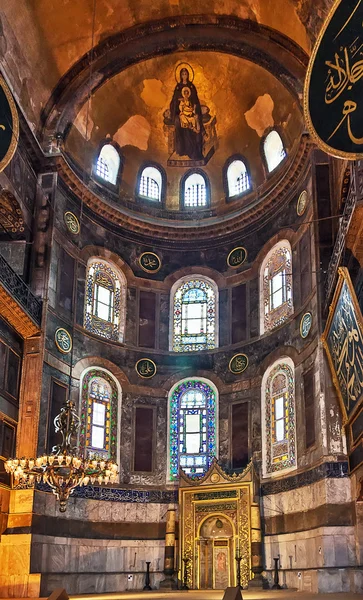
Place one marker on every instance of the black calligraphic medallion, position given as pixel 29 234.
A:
pixel 145 368
pixel 236 257
pixel 305 324
pixel 343 341
pixel 63 340
pixel 9 125
pixel 71 222
pixel 333 95
pixel 150 262
pixel 238 364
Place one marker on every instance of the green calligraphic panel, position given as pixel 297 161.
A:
pixel 63 340
pixel 344 341
pixel 150 262
pixel 333 98
pixel 305 324
pixel 71 222
pixel 236 257
pixel 145 368
pixel 238 364
pixel 9 125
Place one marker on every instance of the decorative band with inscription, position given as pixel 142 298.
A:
pixel 305 324
pixel 63 340
pixel 236 257
pixel 238 364
pixel 72 222
pixel 150 262
pixel 145 368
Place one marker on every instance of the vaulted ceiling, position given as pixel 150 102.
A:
pixel 40 40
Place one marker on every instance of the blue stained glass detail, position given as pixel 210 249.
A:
pixel 192 428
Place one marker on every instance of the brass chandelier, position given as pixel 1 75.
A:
pixel 63 470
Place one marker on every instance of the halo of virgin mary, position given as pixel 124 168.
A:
pixel 186 115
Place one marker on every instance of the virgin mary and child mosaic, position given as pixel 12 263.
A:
pixel 190 127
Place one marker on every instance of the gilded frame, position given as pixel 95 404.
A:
pixel 344 277
pixel 191 521
pixel 15 137
pixel 321 144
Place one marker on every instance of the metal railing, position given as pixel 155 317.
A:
pixel 16 287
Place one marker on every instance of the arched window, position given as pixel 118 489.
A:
pixel 194 312
pixel 99 404
pixel 278 417
pixel 195 192
pixel 274 150
pixel 105 300
pixel 276 303
pixel 193 418
pixel 150 185
pixel 108 164
pixel 238 179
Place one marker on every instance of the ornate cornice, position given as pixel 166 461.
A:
pixel 12 312
pixel 274 194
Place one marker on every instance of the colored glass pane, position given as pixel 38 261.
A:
pixel 98 431
pixel 277 288
pixel 103 301
pixel 192 428
pixel 280 419
pixel 194 321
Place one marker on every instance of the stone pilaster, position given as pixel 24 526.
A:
pixel 30 395
pixel 16 581
pixel 169 582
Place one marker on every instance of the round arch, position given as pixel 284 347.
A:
pixel 213 515
pixel 240 37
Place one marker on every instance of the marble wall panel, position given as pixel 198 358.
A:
pixel 106 562
pixel 325 547
pixel 308 497
pixel 100 510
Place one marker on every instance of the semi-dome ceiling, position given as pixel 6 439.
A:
pixel 41 40
pixel 240 99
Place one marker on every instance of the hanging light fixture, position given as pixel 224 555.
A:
pixel 63 470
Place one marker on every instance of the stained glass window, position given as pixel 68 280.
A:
pixel 279 409
pixel 194 312
pixel 105 301
pixel 108 163
pixel 98 432
pixel 237 178
pixel 195 191
pixel 276 284
pixel 150 183
pixel 193 422
pixel 274 150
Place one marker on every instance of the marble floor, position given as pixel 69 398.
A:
pixel 218 595
pixel 212 595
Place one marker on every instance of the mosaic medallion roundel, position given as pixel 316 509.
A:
pixel 63 340
pixel 145 368
pixel 305 324
pixel 238 364
pixel 71 222
pixel 150 262
pixel 302 203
